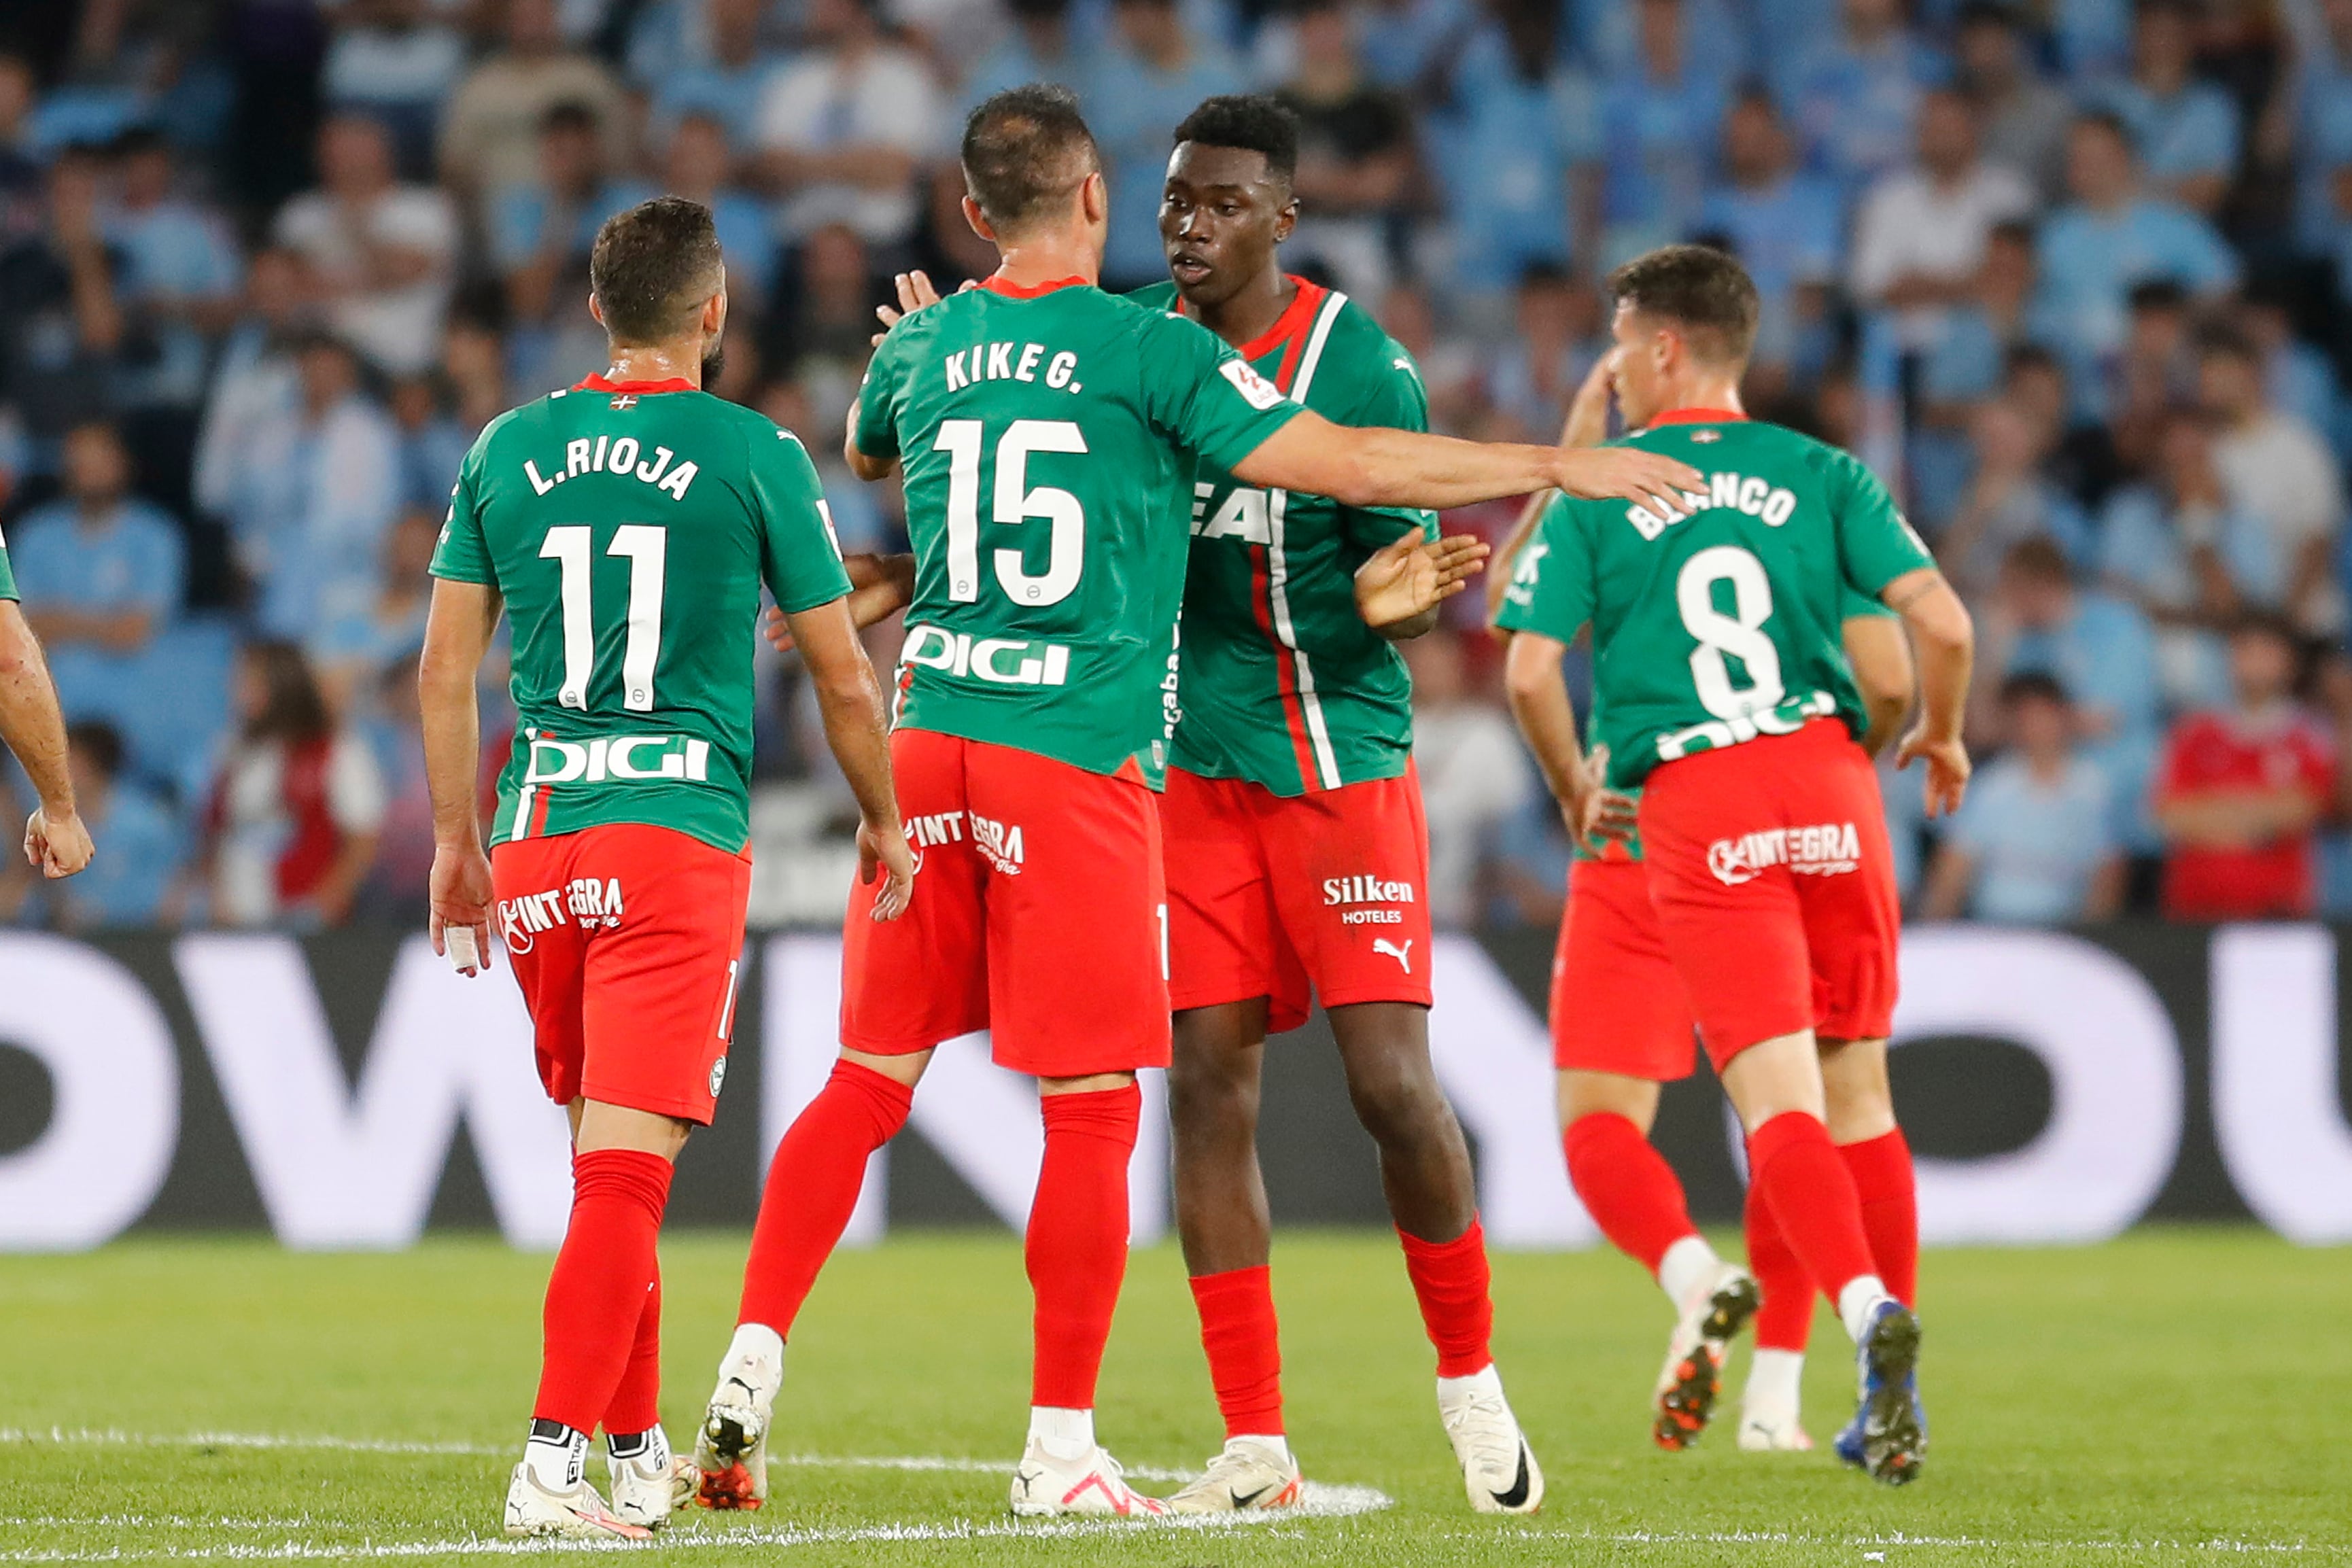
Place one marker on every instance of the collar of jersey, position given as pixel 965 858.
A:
pixel 1698 416
pixel 996 282
pixel 596 383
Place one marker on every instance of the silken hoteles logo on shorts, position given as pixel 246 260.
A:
pixel 591 903
pixel 1826 849
pixel 1367 900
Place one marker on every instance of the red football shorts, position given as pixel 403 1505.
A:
pixel 1774 884
pixel 1617 1005
pixel 1268 894
pixel 627 940
pixel 1039 914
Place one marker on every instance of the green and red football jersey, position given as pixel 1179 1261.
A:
pixel 8 575
pixel 1049 438
pixel 629 529
pixel 1722 620
pixel 1281 682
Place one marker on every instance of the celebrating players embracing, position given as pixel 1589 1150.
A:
pixel 1048 432
pixel 625 526
pixel 1297 854
pixel 1720 689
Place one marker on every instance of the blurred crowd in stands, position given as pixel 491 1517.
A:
pixel 2075 277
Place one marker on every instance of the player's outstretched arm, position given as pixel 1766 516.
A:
pixel 857 727
pixel 33 728
pixel 1587 425
pixel 458 629
pixel 1881 658
pixel 1539 698
pixel 1945 639
pixel 879 587
pixel 1400 589
pixel 1378 467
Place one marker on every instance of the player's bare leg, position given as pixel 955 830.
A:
pixel 811 1190
pixel 1636 1200
pixel 1777 1087
pixel 596 1299
pixel 1227 1235
pixel 1432 1191
pixel 1861 1115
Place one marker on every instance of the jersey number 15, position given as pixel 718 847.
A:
pixel 1015 502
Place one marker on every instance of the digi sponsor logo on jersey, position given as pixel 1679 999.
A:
pixel 1826 849
pixel 1367 900
pixel 1725 492
pixel 606 455
pixel 999 661
pixel 618 759
pixel 590 903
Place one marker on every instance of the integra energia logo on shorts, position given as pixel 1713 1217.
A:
pixel 1827 849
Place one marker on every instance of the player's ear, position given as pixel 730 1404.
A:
pixel 977 219
pixel 595 309
pixel 1286 220
pixel 1094 198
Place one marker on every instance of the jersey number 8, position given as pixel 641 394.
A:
pixel 1016 503
pixel 1739 635
pixel 647 549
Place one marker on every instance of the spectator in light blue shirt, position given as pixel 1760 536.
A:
pixel 2112 235
pixel 1155 77
pixel 179 271
pixel 2033 846
pixel 1523 129
pixel 2321 95
pixel 1786 227
pixel 1712 35
pixel 131 883
pixel 100 568
pixel 721 71
pixel 695 165
pixel 2094 38
pixel 1852 95
pixel 1404 40
pixel 542 230
pixel 1041 48
pixel 2187 131
pixel 1660 117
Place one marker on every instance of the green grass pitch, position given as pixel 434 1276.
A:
pixel 2177 1397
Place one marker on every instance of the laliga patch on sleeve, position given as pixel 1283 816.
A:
pixel 1255 390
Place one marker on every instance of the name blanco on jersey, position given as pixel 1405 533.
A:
pixel 1011 362
pixel 1826 849
pixel 1724 492
pixel 1351 894
pixel 606 455
pixel 999 661
pixel 618 758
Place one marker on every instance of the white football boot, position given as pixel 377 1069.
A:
pixel 1498 1468
pixel 1248 1474
pixel 651 1484
pixel 1692 1379
pixel 573 1513
pixel 1045 1487
pixel 730 1446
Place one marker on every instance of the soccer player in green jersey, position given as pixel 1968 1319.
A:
pixel 626 528
pixel 1720 688
pixel 1296 849
pixel 1048 433
pixel 1621 1028
pixel 33 729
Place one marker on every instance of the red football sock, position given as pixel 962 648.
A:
pixel 1077 1245
pixel 1785 1319
pixel 811 1188
pixel 1627 1186
pixel 636 1403
pixel 1793 1163
pixel 1881 1168
pixel 1450 1279
pixel 1244 1346
pixel 596 1295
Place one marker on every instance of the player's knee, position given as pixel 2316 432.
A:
pixel 1398 1102
pixel 1210 1094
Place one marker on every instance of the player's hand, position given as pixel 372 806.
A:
pixel 1604 813
pixel 1411 576
pixel 1626 472
pixel 1948 768
pixel 879 587
pixel 916 292
pixel 58 845
pixel 883 852
pixel 461 895
pixel 1588 410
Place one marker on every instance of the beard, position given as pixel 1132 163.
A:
pixel 714 364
